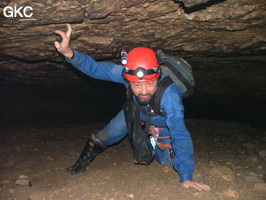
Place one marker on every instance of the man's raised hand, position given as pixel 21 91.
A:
pixel 63 46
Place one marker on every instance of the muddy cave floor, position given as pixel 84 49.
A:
pixel 230 157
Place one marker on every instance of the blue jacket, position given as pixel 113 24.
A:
pixel 171 104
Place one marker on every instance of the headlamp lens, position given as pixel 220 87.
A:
pixel 140 73
pixel 124 61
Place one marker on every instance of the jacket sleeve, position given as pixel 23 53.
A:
pixel 172 105
pixel 98 70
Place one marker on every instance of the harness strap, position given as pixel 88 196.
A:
pixel 156 136
pixel 148 120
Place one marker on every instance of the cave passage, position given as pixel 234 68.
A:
pixel 223 93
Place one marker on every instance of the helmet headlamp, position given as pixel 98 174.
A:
pixel 123 57
pixel 140 72
pixel 124 60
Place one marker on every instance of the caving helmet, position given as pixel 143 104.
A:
pixel 140 65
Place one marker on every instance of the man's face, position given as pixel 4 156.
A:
pixel 144 91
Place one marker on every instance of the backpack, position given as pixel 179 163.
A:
pixel 179 71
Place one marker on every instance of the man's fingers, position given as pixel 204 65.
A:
pixel 69 30
pixel 61 33
pixel 63 46
pixel 205 187
pixel 56 44
pixel 201 186
pixel 198 186
pixel 65 35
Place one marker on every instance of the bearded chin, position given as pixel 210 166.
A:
pixel 144 102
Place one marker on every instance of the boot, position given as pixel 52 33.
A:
pixel 90 151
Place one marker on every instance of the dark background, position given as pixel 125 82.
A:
pixel 60 101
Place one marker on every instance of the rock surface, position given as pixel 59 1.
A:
pixel 102 28
pixel 223 40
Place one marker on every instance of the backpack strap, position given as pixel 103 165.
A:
pixel 156 101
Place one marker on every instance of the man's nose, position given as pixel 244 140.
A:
pixel 143 89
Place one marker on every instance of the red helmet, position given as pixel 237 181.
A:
pixel 140 65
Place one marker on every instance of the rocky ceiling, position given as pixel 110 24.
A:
pixel 102 28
